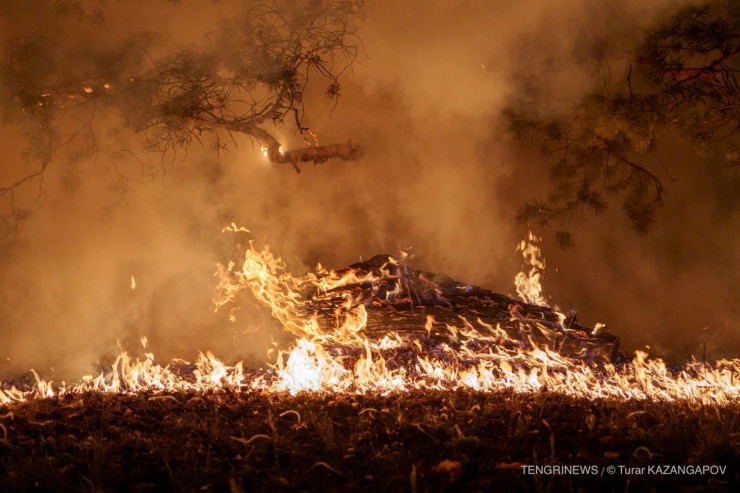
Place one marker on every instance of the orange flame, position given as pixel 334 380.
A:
pixel 341 358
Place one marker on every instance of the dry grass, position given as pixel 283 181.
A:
pixel 425 440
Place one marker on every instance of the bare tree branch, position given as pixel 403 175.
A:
pixel 248 75
pixel 682 78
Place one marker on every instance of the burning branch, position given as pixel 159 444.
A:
pixel 316 154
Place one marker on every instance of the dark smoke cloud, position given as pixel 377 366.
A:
pixel 440 179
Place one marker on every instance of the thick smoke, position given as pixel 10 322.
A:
pixel 440 180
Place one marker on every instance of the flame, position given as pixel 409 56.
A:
pixel 340 357
pixel 265 150
pixel 528 282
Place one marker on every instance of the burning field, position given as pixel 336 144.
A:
pixel 393 379
pixel 364 333
pixel 378 326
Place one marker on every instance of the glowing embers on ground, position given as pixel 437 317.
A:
pixel 383 367
pixel 343 356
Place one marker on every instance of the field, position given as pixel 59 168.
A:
pixel 417 441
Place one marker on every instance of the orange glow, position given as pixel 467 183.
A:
pixel 342 359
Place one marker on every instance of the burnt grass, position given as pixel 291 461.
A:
pixel 418 441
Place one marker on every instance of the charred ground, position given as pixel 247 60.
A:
pixel 417 441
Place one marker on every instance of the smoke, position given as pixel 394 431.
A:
pixel 440 180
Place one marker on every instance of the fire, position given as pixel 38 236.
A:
pixel 528 284
pixel 265 150
pixel 343 358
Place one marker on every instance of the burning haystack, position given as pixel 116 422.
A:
pixel 426 307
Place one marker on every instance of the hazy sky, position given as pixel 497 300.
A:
pixel 440 179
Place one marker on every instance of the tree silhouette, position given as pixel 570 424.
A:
pixel 682 78
pixel 246 76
